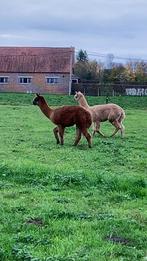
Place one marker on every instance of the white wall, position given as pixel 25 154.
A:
pixel 136 91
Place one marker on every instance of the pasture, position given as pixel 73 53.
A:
pixel 65 203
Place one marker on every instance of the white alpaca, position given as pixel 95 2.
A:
pixel 100 113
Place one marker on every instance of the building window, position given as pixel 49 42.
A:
pixel 52 80
pixel 75 81
pixel 3 79
pixel 25 80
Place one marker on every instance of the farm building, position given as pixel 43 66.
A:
pixel 36 69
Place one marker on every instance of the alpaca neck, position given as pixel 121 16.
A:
pixel 83 102
pixel 46 110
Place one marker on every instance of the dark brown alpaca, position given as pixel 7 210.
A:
pixel 66 116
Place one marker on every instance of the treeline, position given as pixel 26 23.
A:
pixel 134 72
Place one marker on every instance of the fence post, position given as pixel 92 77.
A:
pixel 98 91
pixel 107 99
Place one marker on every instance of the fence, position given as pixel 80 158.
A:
pixel 96 89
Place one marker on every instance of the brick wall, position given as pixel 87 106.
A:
pixel 38 83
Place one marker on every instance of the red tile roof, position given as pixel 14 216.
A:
pixel 36 59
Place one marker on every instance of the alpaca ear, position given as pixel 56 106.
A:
pixel 76 92
pixel 37 94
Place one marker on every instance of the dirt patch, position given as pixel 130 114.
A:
pixel 35 221
pixel 120 240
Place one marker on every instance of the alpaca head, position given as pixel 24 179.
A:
pixel 78 95
pixel 38 100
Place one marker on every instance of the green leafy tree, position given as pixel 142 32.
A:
pixel 89 70
pixel 106 75
pixel 85 69
pixel 82 56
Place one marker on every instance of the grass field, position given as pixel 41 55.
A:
pixel 65 203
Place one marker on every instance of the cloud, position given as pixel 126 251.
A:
pixel 100 25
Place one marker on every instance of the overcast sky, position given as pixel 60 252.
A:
pixel 100 26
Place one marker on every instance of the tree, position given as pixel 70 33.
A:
pixel 81 70
pixel 130 71
pixel 105 75
pixel 117 74
pixel 93 71
pixel 82 56
pixel 88 70
pixel 141 69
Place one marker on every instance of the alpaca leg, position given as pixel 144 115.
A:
pixel 97 129
pixel 78 136
pixel 61 134
pixel 55 130
pixel 117 126
pixel 87 136
pixel 94 129
pixel 122 131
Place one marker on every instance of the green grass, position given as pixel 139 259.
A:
pixel 62 203
pixel 59 100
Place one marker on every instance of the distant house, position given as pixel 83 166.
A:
pixel 36 69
